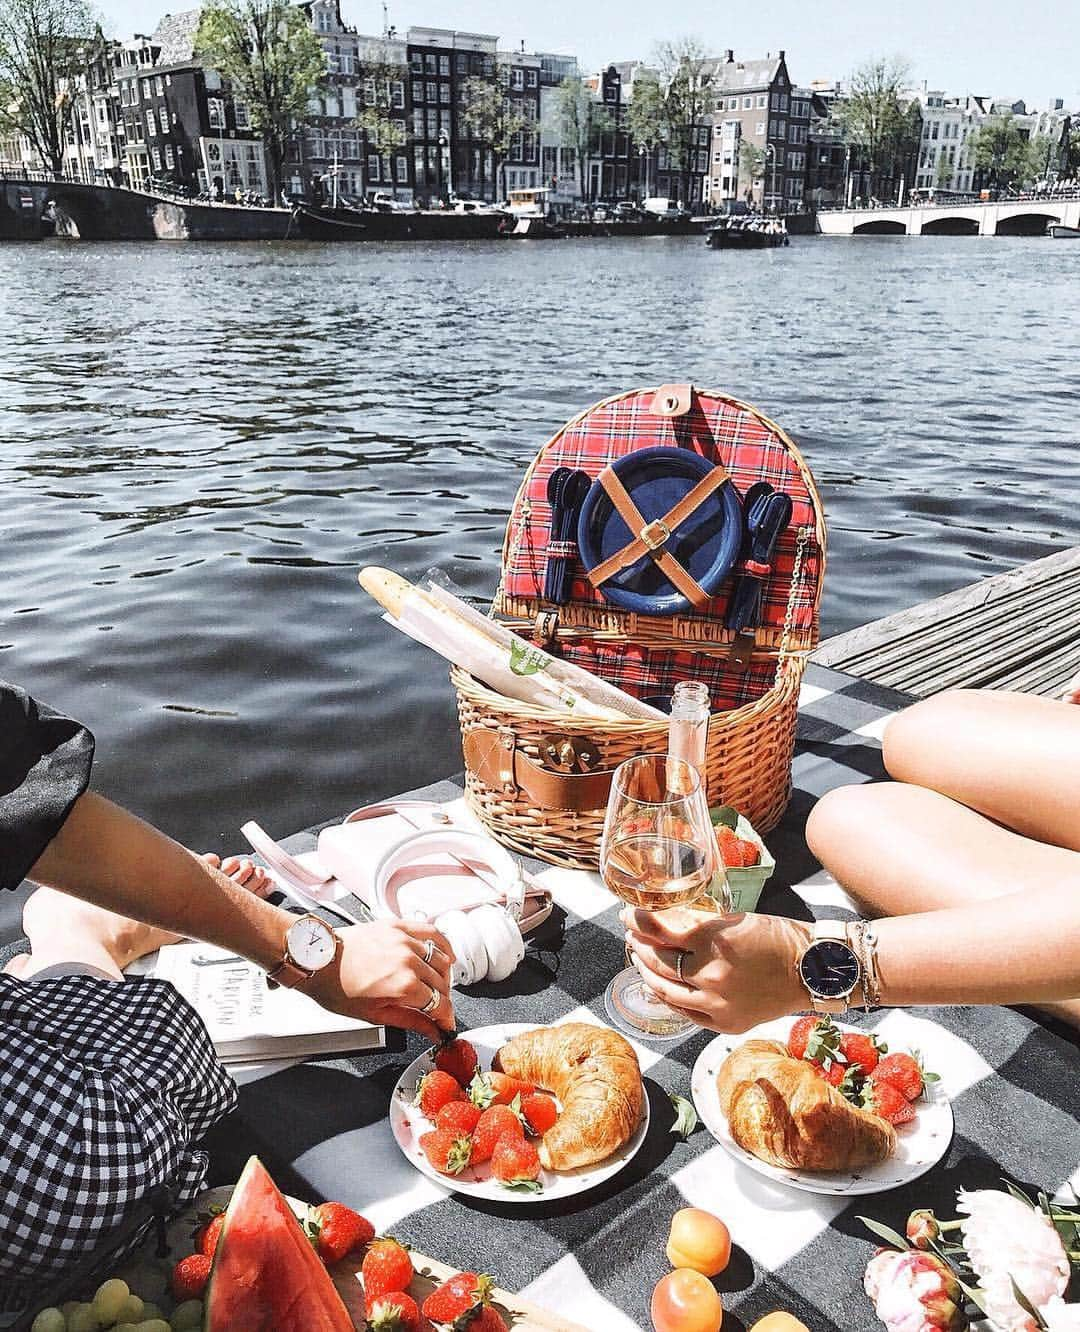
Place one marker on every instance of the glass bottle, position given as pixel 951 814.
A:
pixel 689 727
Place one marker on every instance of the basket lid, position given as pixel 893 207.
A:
pixel 704 543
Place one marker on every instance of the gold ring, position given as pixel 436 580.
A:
pixel 680 956
pixel 429 951
pixel 433 1003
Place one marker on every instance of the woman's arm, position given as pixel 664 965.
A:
pixel 107 856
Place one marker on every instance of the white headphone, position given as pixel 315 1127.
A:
pixel 485 935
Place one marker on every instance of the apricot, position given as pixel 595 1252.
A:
pixel 779 1322
pixel 698 1240
pixel 686 1301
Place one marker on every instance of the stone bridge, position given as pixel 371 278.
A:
pixel 1014 217
pixel 86 212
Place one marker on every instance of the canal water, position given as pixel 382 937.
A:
pixel 199 445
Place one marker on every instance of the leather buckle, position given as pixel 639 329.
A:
pixel 654 534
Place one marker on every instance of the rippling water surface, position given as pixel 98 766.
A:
pixel 199 445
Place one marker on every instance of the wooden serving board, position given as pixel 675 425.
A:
pixel 520 1315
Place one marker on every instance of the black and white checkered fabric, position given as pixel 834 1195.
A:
pixel 105 1090
pixel 595 1258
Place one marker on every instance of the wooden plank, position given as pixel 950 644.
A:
pixel 1016 630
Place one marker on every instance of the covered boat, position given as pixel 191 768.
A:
pixel 747 233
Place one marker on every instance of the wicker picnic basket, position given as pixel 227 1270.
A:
pixel 539 779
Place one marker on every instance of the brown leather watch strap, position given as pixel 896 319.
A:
pixel 652 536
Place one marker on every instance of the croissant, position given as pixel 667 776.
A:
pixel 783 1112
pixel 594 1073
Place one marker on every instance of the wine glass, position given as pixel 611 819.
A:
pixel 658 850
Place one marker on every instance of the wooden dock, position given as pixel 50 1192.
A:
pixel 1017 630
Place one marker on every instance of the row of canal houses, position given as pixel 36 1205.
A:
pixel 148 111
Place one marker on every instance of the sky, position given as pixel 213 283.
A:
pixel 1014 48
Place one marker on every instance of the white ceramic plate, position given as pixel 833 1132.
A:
pixel 921 1143
pixel 408 1124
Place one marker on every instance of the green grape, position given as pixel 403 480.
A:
pixel 126 1327
pixel 154 1325
pixel 83 1319
pixel 109 1300
pixel 150 1312
pixel 187 1315
pixel 49 1320
pixel 69 1307
pixel 131 1310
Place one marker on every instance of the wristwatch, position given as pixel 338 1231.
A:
pixel 310 945
pixel 830 968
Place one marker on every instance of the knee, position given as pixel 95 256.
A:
pixel 915 736
pixel 831 820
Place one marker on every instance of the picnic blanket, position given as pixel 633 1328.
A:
pixel 595 1258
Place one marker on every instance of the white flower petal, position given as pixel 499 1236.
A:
pixel 1008 1241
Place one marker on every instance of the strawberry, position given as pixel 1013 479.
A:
pixel 447 1151
pixel 814 1038
pixel 455 1298
pixel 206 1240
pixel 337 1230
pixel 540 1111
pixel 494 1123
pixel 485 1319
pixel 436 1089
pixel 460 1116
pixel 497 1088
pixel 905 1072
pixel 845 1078
pixel 735 851
pixel 386 1268
pixel 458 1058
pixel 516 1163
pixel 393 1312
pixel 189 1277
pixel 887 1100
pixel 861 1051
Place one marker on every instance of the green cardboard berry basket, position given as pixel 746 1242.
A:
pixel 746 882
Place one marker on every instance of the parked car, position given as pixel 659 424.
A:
pixel 668 209
pixel 386 203
pixel 627 212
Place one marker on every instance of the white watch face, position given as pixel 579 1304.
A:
pixel 311 943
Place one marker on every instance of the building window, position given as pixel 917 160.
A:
pixel 781 102
pixel 444 66
pixel 147 88
pixel 369 92
pixel 417 90
pixel 934 129
pixel 762 102
pixel 444 94
pixel 170 158
pixel 418 122
pixel 432 123
pixel 444 123
pixel 397 95
pixel 346 62
pixel 418 164
pixel 431 62
pixel 373 167
pixel 416 63
pixel 517 79
pixel 747 103
pixel 532 79
pixel 215 109
pixel 125 99
pixel 759 128
pixel 151 127
pixel 322 20
pixel 461 63
pixel 402 165
pixel 240 113
pixel 432 92
pixel 156 157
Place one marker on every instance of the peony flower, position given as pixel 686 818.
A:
pixel 914 1292
pixel 1007 1240
pixel 1061 1317
pixel 922 1228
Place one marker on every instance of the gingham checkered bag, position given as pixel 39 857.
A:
pixel 753 689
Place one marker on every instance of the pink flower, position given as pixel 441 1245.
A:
pixel 922 1227
pixel 1009 1241
pixel 914 1292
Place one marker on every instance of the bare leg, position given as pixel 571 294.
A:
pixel 901 849
pixel 1013 757
pixel 64 929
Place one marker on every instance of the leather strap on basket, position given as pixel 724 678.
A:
pixel 494 759
pixel 652 536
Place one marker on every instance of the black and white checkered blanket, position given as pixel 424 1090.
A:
pixel 595 1258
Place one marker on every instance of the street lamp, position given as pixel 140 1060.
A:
pixel 770 151
pixel 444 144
pixel 847 175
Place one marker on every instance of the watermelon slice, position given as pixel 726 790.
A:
pixel 266 1275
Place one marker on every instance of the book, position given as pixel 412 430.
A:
pixel 247 1020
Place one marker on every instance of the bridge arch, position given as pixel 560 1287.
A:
pixel 951 226
pixel 881 226
pixel 1025 224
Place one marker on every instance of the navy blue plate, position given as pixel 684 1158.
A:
pixel 706 544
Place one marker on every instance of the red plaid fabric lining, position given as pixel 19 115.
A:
pixel 715 428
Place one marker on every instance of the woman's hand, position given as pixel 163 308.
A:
pixel 1072 690
pixel 387 974
pixel 736 970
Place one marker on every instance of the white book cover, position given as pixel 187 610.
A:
pixel 249 1021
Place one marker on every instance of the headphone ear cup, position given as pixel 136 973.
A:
pixel 470 955
pixel 502 940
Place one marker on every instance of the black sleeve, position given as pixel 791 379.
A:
pixel 45 761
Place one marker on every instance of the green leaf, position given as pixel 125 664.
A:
pixel 884 1232
pixel 1018 1193
pixel 724 816
pixel 1025 1304
pixel 523 1185
pixel 686 1119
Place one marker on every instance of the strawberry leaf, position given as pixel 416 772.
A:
pixel 884 1232
pixel 686 1119
pixel 523 1185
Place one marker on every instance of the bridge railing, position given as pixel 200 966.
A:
pixel 38 176
pixel 1050 196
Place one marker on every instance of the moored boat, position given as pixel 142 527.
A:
pixel 529 218
pixel 1060 232
pixel 346 223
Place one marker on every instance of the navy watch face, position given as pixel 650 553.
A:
pixel 829 969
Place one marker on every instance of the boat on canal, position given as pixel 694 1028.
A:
pixel 747 233
pixel 348 223
pixel 1060 232
pixel 529 216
